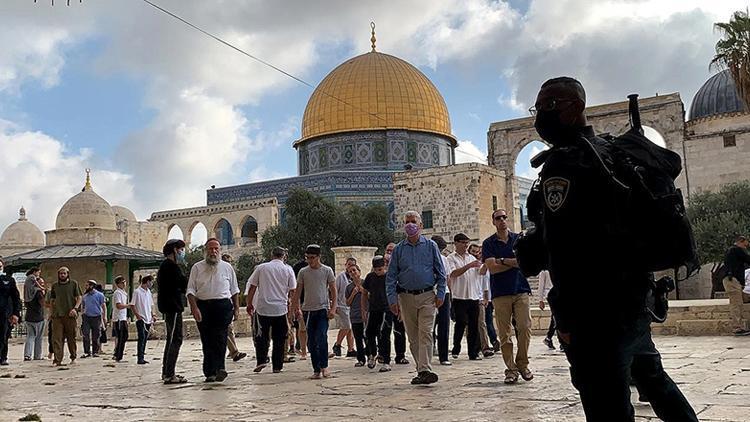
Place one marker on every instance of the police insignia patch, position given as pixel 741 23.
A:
pixel 555 192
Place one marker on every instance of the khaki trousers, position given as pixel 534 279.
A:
pixel 231 342
pixel 484 337
pixel 64 328
pixel 418 313
pixel 734 291
pixel 507 308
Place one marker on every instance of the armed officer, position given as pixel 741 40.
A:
pixel 599 295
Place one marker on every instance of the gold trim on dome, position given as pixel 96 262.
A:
pixel 375 91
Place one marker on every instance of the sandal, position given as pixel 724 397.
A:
pixel 177 379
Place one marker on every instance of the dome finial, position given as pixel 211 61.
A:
pixel 22 214
pixel 88 180
pixel 372 39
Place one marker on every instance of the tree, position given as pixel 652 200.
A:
pixel 310 218
pixel 244 266
pixel 717 218
pixel 733 52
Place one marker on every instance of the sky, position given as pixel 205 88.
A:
pixel 160 112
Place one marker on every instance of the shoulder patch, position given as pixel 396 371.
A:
pixel 555 192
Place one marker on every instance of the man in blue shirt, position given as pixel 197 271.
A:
pixel 510 297
pixel 94 315
pixel 415 270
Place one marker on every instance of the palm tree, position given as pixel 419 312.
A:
pixel 733 52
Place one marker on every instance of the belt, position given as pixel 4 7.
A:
pixel 415 292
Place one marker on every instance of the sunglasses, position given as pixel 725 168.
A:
pixel 501 217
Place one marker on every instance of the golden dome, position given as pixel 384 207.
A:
pixel 375 91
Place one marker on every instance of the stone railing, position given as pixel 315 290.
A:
pixel 686 318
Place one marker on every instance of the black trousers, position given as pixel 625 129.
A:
pixel 358 329
pixel 216 315
pixel 172 344
pixel 399 338
pixel 5 330
pixel 443 324
pixel 49 336
pixel 378 332
pixel 266 329
pixel 142 328
pixel 552 327
pixel 91 332
pixel 467 318
pixel 120 329
pixel 601 364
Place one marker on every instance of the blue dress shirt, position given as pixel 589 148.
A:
pixel 415 267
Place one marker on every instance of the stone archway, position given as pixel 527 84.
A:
pixel 663 113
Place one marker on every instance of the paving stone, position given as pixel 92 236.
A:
pixel 711 371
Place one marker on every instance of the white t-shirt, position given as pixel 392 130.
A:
pixel 121 297
pixel 545 284
pixel 274 280
pixel 467 286
pixel 747 281
pixel 212 281
pixel 342 280
pixel 143 301
pixel 447 269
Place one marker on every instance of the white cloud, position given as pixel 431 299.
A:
pixel 467 152
pixel 523 167
pixel 40 173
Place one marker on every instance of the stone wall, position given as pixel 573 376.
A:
pixel 461 198
pixel 148 235
pixel 363 255
pixel 82 270
pixel 83 236
pixel 711 164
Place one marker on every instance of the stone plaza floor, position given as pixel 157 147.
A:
pixel 713 372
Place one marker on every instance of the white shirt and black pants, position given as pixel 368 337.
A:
pixel 213 287
pixel 143 303
pixel 273 280
pixel 120 322
pixel 467 292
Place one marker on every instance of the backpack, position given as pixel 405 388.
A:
pixel 654 212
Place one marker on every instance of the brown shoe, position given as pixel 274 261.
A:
pixel 526 374
pixel 511 378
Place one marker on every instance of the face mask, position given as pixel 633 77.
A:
pixel 181 256
pixel 550 128
pixel 411 229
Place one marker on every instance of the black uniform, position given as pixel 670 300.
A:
pixel 599 295
pixel 172 286
pixel 10 304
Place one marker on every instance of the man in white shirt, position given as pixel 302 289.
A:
pixel 342 313
pixel 545 285
pixel 120 317
pixel 268 293
pixel 213 295
pixel 484 333
pixel 142 306
pixel 466 292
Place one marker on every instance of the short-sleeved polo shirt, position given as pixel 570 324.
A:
pixel 506 283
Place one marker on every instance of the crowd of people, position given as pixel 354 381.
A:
pixel 412 291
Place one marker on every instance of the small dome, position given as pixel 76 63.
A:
pixel 717 96
pixel 86 210
pixel 22 233
pixel 122 213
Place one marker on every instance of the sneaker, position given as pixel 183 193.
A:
pixel 95 355
pixel 351 354
pixel 359 364
pixel 511 378
pixel 210 379
pixel 277 371
pixel 259 367
pixel 384 368
pixel 428 377
pixel 337 350
pixel 85 355
pixel 548 342
pixel 239 355
pixel 221 375
pixel 496 346
pixel 741 332
pixel 26 358
pixel 526 374
pixel 446 363
pixel 475 358
pixel 417 380
pixel 454 355
pixel 142 362
pixel 402 361
pixel 371 362
pixel 488 353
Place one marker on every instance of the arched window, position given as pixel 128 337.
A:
pixel 249 231
pixel 223 232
